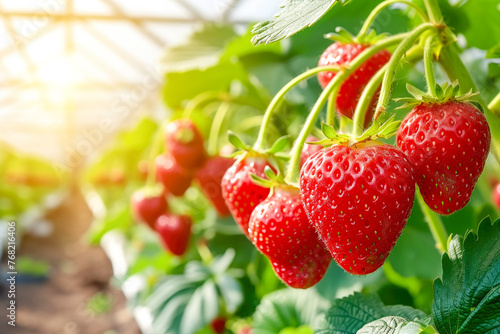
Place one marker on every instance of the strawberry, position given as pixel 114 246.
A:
pixel 210 176
pixel 496 196
pixel 241 194
pixel 218 325
pixel 448 144
pixel 280 229
pixel 309 150
pixel 175 178
pixel 175 232
pixel 351 89
pixel 245 330
pixel 358 198
pixel 185 143
pixel 148 208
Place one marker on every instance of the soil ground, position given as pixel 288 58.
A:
pixel 78 272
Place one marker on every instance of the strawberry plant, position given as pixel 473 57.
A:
pixel 294 153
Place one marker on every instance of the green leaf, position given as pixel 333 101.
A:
pixel 182 86
pixel 231 291
pixel 337 283
pixel 236 141
pixel 467 296
pixel 279 145
pixel 187 303
pixel 202 50
pixel 243 48
pixel 119 217
pixel 221 263
pixel 298 330
pixel 293 16
pixel 415 92
pixel 392 325
pixel 201 309
pixel 467 17
pixel 261 181
pixel 271 175
pixel 350 314
pixel 328 131
pixel 494 52
pixel 287 308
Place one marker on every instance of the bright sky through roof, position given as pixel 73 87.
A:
pixel 110 58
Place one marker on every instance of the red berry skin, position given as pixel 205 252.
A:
pixel 174 232
pixel 448 145
pixel 351 89
pixel 209 177
pixel 359 200
pixel 148 209
pixel 175 178
pixel 245 330
pixel 185 143
pixel 218 325
pixel 496 196
pixel 241 194
pixel 280 229
pixel 309 150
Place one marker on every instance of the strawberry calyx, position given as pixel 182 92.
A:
pixel 341 35
pixel 184 135
pixel 272 155
pixel 274 180
pixel 444 93
pixel 153 190
pixel 379 129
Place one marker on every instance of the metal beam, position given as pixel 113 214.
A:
pixel 140 25
pixel 114 17
pixel 87 85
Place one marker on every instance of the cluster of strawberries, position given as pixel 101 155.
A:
pixel 355 198
pixel 183 161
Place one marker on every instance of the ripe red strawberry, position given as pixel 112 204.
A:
pixel 218 325
pixel 245 330
pixel 241 194
pixel 148 208
pixel 309 150
pixel 280 229
pixel 175 232
pixel 175 178
pixel 185 143
pixel 447 144
pixel 359 199
pixel 210 178
pixel 351 89
pixel 496 196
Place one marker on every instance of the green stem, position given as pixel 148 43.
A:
pixel 213 138
pixel 330 111
pixel 205 253
pixel 155 148
pixel 433 10
pixel 429 69
pixel 292 175
pixel 435 224
pixel 266 122
pixel 406 44
pixel 494 105
pixel 381 6
pixel 202 99
pixel 365 99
